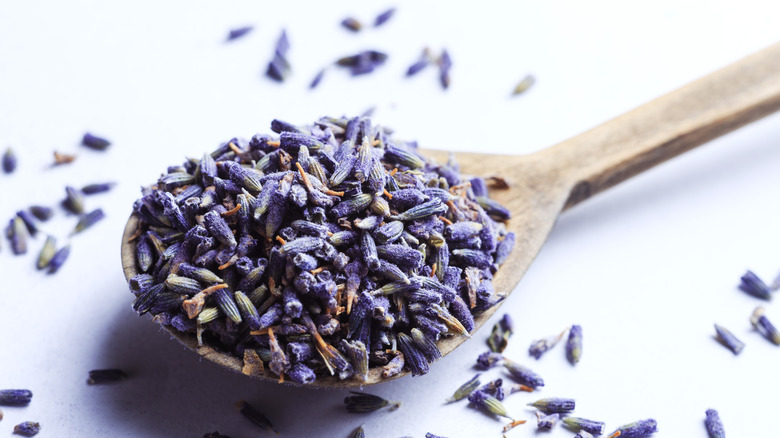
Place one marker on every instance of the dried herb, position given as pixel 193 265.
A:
pixel 95 142
pixel 255 416
pixel 728 339
pixel 554 405
pixel 541 346
pixel 423 61
pixel 764 326
pixel 15 397
pixel 574 344
pixel 714 425
pixel 582 424
pixel 279 68
pixel 753 285
pixel 239 32
pixel 47 252
pixel 9 161
pixel 27 428
pixel 523 375
pixel 361 403
pixel 335 231
pixel 546 422
pixel 358 433
pixel 351 24
pixel 363 62
pixel 58 259
pixel 92 189
pixel 524 84
pixel 384 17
pixel 639 429
pixel 61 158
pixel 464 390
pixel 445 64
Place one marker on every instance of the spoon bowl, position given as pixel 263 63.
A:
pixel 543 184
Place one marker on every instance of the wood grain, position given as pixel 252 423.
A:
pixel 545 183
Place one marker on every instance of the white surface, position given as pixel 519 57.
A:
pixel 645 268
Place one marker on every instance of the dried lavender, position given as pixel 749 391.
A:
pixel 583 434
pixel 41 212
pixel 330 231
pixel 351 24
pixel 62 158
pixel 753 285
pixel 728 339
pixel 279 68
pixel 582 424
pixel 554 405
pixel 574 344
pixel 92 189
pixel 29 221
pixel 361 403
pixel 488 360
pixel 27 428
pixel 524 84
pixel 317 79
pixel 523 375
pixel 238 32
pixel 638 429
pixel 9 161
pixel 445 64
pixel 88 220
pixel 714 425
pixel 546 422
pixel 430 435
pixel 255 416
pixel 47 252
pixel 764 326
pixel 384 17
pixel 15 397
pixel 502 330
pixel 423 61
pixel 95 142
pixel 58 259
pixel 363 62
pixel 358 433
pixel 541 346
pixel 98 377
pixel 488 403
pixel 18 235
pixel 74 200
pixel 464 390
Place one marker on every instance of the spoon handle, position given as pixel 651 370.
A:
pixel 668 126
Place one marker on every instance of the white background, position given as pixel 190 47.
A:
pixel 646 268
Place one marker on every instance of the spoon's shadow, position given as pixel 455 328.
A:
pixel 171 392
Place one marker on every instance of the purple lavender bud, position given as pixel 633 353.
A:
pixel 361 403
pixel 29 221
pixel 255 416
pixel 300 351
pixel 74 200
pixel 415 360
pixel 583 434
pixel 41 212
pixel 301 245
pixel 227 305
pixel 405 257
pixel 494 388
pixel 368 251
pixel 764 326
pixel 89 219
pixel 384 17
pixel 426 346
pixel 471 257
pixel 389 232
pixel 248 310
pixel 58 259
pixel 423 61
pixel 98 377
pixel 278 68
pixel 95 142
pixel 639 429
pixel 464 390
pixel 460 310
pixel 445 64
pixel 292 305
pixel 494 209
pixel 27 428
pixel 554 405
pixel 292 141
pixel 9 161
pixel 15 397
pixel 753 285
pixel 488 360
pixel 714 425
pixel 574 344
pixel 219 229
pixel 302 374
pixel 462 230
pixel 270 317
pixel 728 340
pixel 523 375
pixel 505 248
pixel 92 189
pixel 350 206
pixel 363 62
pixel 546 422
pixel 351 24
pixel 237 33
pixel 304 262
pixel 489 403
pixel 244 177
pixel 589 426
pixel 403 156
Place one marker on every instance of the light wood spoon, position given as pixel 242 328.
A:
pixel 545 183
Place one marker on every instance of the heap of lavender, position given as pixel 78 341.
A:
pixel 329 249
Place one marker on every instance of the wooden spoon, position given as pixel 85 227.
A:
pixel 545 183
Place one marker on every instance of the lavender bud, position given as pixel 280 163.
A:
pixel 27 428
pixel 237 33
pixel 546 422
pixel 728 340
pixel 92 189
pixel 59 259
pixel 361 403
pixel 15 397
pixel 47 252
pixel 554 405
pixel 764 326
pixel 219 229
pixel 464 390
pixel 574 344
pixel 88 220
pixel 488 360
pixel 255 416
pixel 384 17
pixel 95 142
pixel 639 429
pixel 9 161
pixel 753 285
pixel 523 375
pixel 589 426
pixel 42 213
pixel 714 425
pixel 489 403
pixel 98 377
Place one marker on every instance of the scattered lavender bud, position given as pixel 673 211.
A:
pixel 47 252
pixel 554 405
pixel 363 62
pixel 499 337
pixel 423 61
pixel 58 259
pixel 358 433
pixel 581 424
pixel 317 79
pixel 98 377
pixel 351 24
pixel 546 422
pixel 88 220
pixel 445 64
pixel 18 235
pixel 465 389
pixel 239 32
pixel 488 360
pixel 541 346
pixel 360 403
pixel 764 326
pixel 728 340
pixel 384 17
pixel 751 284
pixel 74 200
pixel 639 429
pixel 523 375
pixel 9 161
pixel 574 344
pixel 489 403
pixel 583 434
pixel 29 221
pixel 524 84
pixel 27 428
pixel 279 68
pixel 15 397
pixel 95 142
pixel 255 416
pixel 92 189
pixel 714 425
pixel 41 213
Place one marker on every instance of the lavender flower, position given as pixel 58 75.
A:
pixel 239 32
pixel 764 326
pixel 489 403
pixel 751 284
pixel 95 142
pixel 639 429
pixel 583 425
pixel 92 189
pixel 541 346
pixel 714 425
pixel 9 161
pixel 554 405
pixel 583 434
pixel 423 61
pixel 361 403
pixel 523 375
pixel 488 360
pixel 27 428
pixel 358 433
pixel 445 64
pixel 546 422
pixel 384 17
pixel 15 397
pixel 728 340
pixel 255 416
pixel 363 62
pixel 351 24
pixel 279 68
pixel 574 344
pixel 58 259
pixel 464 390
